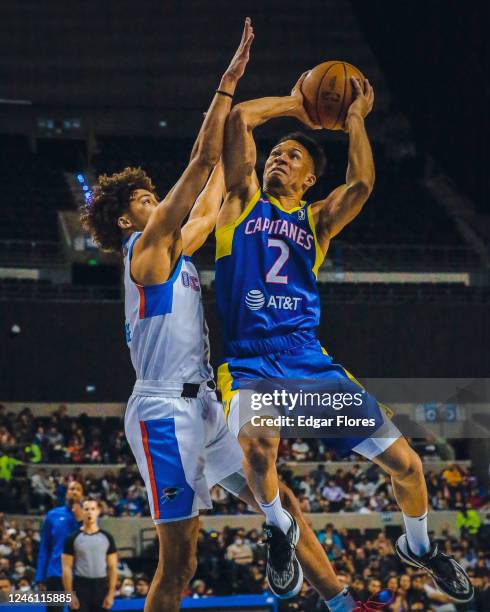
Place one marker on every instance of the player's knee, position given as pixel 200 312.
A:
pixel 260 453
pixel 177 577
pixel 188 570
pixel 408 466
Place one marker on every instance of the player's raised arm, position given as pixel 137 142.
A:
pixel 239 153
pixel 204 213
pixel 163 227
pixel 344 203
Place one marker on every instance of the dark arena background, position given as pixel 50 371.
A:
pixel 92 87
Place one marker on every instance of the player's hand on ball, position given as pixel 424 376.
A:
pixel 363 99
pixel 299 110
pixel 237 65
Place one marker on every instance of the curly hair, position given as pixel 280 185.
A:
pixel 109 200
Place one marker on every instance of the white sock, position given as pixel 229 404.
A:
pixel 417 536
pixel 342 602
pixel 275 515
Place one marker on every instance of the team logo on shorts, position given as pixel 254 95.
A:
pixel 301 214
pixel 255 299
pixel 170 493
pixel 188 280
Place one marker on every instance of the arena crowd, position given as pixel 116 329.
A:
pixel 232 561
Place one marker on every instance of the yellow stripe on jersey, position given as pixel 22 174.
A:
pixel 278 204
pixel 224 235
pixel 225 380
pixel 319 254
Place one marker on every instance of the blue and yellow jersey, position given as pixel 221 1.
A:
pixel 266 267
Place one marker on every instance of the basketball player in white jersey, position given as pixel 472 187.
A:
pixel 173 422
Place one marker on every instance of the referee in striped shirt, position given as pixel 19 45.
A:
pixel 89 564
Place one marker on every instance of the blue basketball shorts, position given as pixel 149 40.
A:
pixel 300 356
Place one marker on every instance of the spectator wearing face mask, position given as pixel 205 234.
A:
pixel 199 589
pixel 24 586
pixel 19 570
pixel 127 589
pixel 239 552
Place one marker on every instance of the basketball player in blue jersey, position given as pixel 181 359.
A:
pixel 270 245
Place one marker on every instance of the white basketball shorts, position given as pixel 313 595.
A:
pixel 182 447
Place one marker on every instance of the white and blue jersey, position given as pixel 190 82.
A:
pixel 166 331
pixel 180 440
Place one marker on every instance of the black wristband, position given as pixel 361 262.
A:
pixel 224 93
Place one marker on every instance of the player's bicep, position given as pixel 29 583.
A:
pixel 338 210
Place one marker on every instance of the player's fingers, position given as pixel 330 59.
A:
pixel 303 76
pixel 249 41
pixel 367 86
pixel 299 82
pixel 245 51
pixel 356 85
pixel 311 124
pixel 246 29
pixel 371 94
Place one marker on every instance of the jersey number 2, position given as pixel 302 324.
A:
pixel 273 275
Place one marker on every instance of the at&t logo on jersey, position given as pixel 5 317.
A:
pixel 256 300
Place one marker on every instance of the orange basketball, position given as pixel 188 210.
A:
pixel 327 91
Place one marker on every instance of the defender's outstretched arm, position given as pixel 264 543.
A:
pixel 204 213
pixel 173 209
pixel 152 259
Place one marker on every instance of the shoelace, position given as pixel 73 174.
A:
pixel 371 605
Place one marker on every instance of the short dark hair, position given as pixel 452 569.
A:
pixel 95 501
pixel 109 200
pixel 312 146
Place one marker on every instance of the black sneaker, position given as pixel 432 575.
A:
pixel 448 575
pixel 284 572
